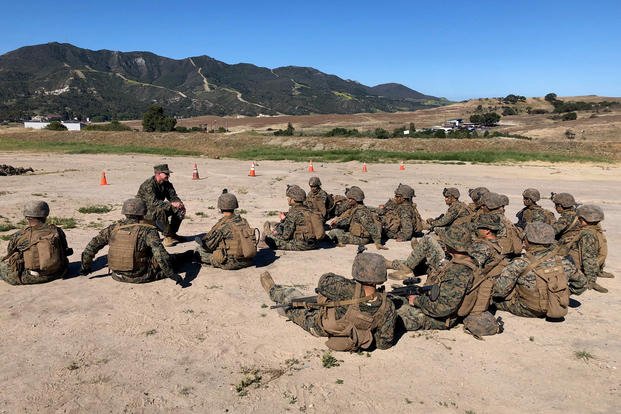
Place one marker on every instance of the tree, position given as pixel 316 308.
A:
pixel 56 126
pixel 439 134
pixel 285 132
pixel 551 97
pixel 155 120
pixel 570 116
pixel 487 119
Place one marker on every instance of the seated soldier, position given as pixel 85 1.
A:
pixel 400 217
pixel 457 211
pixel 136 254
pixel 37 253
pixel 509 236
pixel 357 225
pixel 300 228
pixel 317 199
pixel 476 195
pixel 532 211
pixel 566 227
pixel 538 283
pixel 163 203
pixel 457 295
pixel 231 243
pixel 351 313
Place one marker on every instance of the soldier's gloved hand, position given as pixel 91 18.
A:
pixel 379 246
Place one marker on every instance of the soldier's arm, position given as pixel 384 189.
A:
pixel 343 221
pixel 452 292
pixel 171 194
pixel 147 193
pixel 160 254
pixel 407 225
pixel 417 220
pixel 213 238
pixel 385 333
pixel 288 225
pixel 505 283
pixel 12 247
pixel 368 223
pixel 577 281
pixel 447 218
pixel 480 252
pixel 335 287
pixel 91 249
pixel 560 225
pixel 589 248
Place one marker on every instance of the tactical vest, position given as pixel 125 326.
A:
pixel 511 241
pixel 243 244
pixel 602 253
pixel 312 229
pixel 470 299
pixel 357 229
pixel 464 215
pixel 484 279
pixel 44 253
pixel 570 232
pixel 551 293
pixel 355 329
pixel 123 252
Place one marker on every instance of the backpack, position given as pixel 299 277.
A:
pixel 511 242
pixel 44 253
pixel 122 251
pixel 313 226
pixel 551 284
pixel 243 245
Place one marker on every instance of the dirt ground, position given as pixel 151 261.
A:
pixel 90 344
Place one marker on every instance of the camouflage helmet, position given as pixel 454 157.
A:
pixel 504 200
pixel 476 193
pixel 227 201
pixel 457 237
pixel 565 200
pixel 488 221
pixel 134 207
pixel 492 201
pixel 369 268
pixel 38 209
pixel 355 193
pixel 539 233
pixel 405 191
pixel 482 324
pixel 296 193
pixel 532 194
pixel 314 181
pixel 451 192
pixel 590 213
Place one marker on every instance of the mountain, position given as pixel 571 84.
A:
pixel 65 79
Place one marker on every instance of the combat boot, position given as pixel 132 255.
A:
pixel 402 273
pixel 388 263
pixel 606 275
pixel 169 241
pixel 598 288
pixel 267 282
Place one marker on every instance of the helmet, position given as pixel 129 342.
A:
pixel 405 191
pixel 38 209
pixel 314 181
pixel 492 201
pixel 451 192
pixel 565 200
pixel 296 193
pixel 489 221
pixel 476 193
pixel 590 213
pixel 482 324
pixel 227 201
pixel 532 194
pixel 355 193
pixel 539 233
pixel 134 207
pixel 504 200
pixel 457 237
pixel 369 268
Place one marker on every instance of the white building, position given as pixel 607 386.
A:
pixel 71 126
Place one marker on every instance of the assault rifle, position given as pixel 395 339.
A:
pixel 306 302
pixel 411 287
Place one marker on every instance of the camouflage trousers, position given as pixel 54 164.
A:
pixel 278 243
pixel 308 319
pixel 428 248
pixel 415 319
pixel 341 236
pixel 229 263
pixel 14 276
pixel 160 218
pixel 515 307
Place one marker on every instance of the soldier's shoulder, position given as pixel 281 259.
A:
pixel 334 278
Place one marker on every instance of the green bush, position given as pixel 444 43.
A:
pixel 487 119
pixel 439 134
pixel 570 116
pixel 381 133
pixel 285 132
pixel 56 126
pixel 95 209
pixel 342 132
pixel 154 120
pixel 112 126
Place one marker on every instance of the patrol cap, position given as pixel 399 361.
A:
pixel 488 221
pixel 539 233
pixel 476 193
pixel 451 192
pixel 369 268
pixel 355 193
pixel 405 191
pixel 227 201
pixel 296 193
pixel 161 168
pixel 134 207
pixel 532 194
pixel 492 201
pixel 565 200
pixel 314 181
pixel 38 209
pixel 457 237
pixel 590 213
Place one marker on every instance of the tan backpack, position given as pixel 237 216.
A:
pixel 243 245
pixel 551 283
pixel 122 251
pixel 44 253
pixel 511 242
pixel 357 229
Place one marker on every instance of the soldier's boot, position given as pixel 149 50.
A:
pixel 402 273
pixel 388 263
pixel 267 282
pixel 598 288
pixel 606 275
pixel 169 241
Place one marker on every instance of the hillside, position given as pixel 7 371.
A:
pixel 67 80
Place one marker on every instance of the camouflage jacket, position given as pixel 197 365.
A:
pixel 588 247
pixel 455 211
pixel 532 214
pixel 336 287
pixel 220 231
pixel 454 279
pixel 400 221
pixel 157 196
pixel 294 219
pixel 565 223
pixel 317 200
pixel 485 251
pixel 147 237
pixel 362 215
pixel 513 275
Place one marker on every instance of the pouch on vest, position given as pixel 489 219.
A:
pixel 391 221
pixel 512 242
pixel 244 242
pixel 316 222
pixel 122 254
pixel 44 254
pixel 558 291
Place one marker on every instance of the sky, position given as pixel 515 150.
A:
pixel 453 49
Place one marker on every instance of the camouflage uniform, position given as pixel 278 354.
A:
pixel 12 268
pixel 359 214
pixel 158 198
pixel 407 215
pixel 532 214
pixel 284 239
pixel 335 288
pixel 158 267
pixel 211 241
pixel 587 250
pixel 317 200
pixel 455 211
pixel 566 226
pixel 428 249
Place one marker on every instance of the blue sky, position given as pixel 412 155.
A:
pixel 456 49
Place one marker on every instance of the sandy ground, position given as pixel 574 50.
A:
pixel 90 344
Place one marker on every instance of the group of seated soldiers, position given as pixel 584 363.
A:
pixel 478 260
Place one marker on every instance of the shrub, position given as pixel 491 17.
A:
pixel 154 120
pixel 381 133
pixel 537 111
pixel 112 126
pixel 439 134
pixel 507 110
pixel 570 116
pixel 56 126
pixel 342 132
pixel 285 132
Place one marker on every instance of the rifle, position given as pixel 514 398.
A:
pixel 307 302
pixel 411 287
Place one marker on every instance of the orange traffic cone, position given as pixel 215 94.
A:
pixel 103 180
pixel 401 166
pixel 195 173
pixel 310 166
pixel 364 167
pixel 252 173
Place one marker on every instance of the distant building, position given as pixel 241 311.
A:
pixel 71 126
